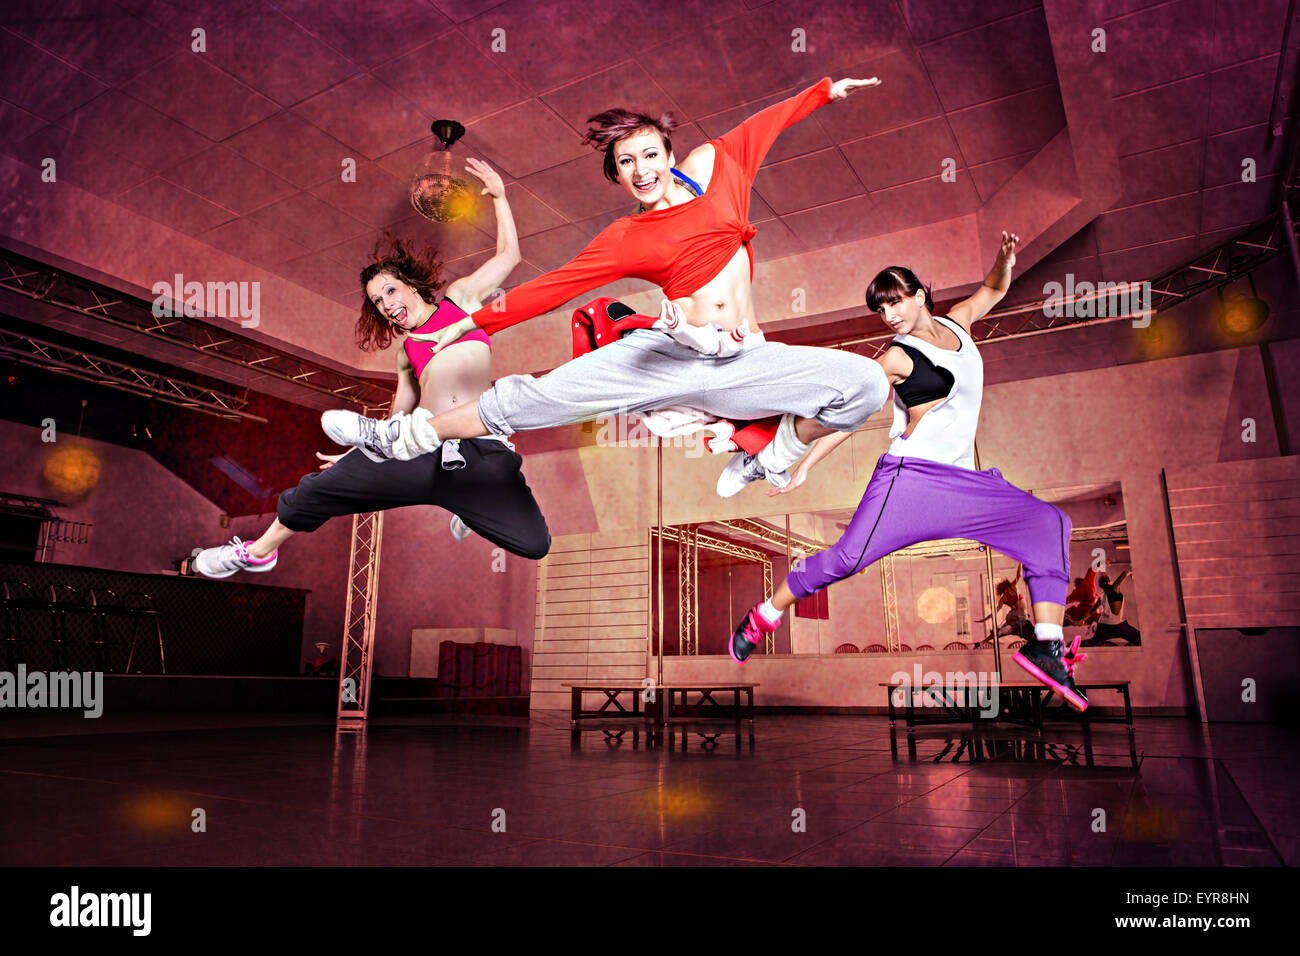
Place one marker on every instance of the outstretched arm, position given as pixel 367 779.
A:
pixel 469 291
pixel 593 267
pixel 750 141
pixel 970 311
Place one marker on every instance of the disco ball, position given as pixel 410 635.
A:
pixel 436 193
pixel 72 471
pixel 441 197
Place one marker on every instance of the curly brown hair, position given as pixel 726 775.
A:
pixel 421 270
pixel 618 124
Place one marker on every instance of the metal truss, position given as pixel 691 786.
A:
pixel 698 540
pixel 359 616
pixel 928 549
pixel 1232 259
pixel 719 545
pixel 769 642
pixel 43 283
pixel 27 506
pixel 787 541
pixel 57 531
pixel 889 590
pixel 1106 532
pixel 688 603
pixel 159 386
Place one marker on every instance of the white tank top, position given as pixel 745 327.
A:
pixel 945 433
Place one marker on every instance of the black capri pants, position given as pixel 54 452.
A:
pixel 489 494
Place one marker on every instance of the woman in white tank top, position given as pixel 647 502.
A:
pixel 926 486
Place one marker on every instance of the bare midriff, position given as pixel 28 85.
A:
pixel 726 300
pixel 455 376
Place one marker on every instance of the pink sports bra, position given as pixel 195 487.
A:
pixel 444 315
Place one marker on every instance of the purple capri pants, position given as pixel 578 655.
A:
pixel 909 500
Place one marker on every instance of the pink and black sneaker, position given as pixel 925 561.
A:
pixel 1046 662
pixel 749 634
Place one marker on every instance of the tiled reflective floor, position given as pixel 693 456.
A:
pixel 503 791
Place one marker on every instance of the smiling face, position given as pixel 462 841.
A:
pixel 644 166
pixel 903 315
pixel 398 302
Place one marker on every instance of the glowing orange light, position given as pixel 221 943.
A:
pixel 158 811
pixel 678 803
pixel 72 470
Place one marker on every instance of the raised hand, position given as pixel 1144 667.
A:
pixel 799 476
pixel 491 180
pixel 843 88
pixel 1007 253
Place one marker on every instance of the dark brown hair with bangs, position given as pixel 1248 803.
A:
pixel 391 256
pixel 892 284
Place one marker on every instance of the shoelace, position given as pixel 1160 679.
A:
pixel 368 436
pixel 1072 658
pixel 754 632
pixel 241 549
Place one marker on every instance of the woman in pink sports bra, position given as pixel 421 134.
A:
pixel 479 481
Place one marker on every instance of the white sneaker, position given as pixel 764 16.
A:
pixel 744 468
pixel 374 436
pixel 224 561
pixel 459 529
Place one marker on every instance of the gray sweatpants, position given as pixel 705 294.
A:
pixel 648 370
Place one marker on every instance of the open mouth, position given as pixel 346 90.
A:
pixel 398 317
pixel 646 186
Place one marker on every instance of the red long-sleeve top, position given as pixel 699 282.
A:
pixel 680 248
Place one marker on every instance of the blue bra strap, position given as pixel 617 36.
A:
pixel 691 184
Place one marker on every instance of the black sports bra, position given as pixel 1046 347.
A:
pixel 927 382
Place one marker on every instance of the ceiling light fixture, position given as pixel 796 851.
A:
pixel 436 193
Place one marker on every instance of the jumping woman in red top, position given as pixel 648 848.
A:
pixel 692 239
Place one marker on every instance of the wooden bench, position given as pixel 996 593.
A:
pixel 671 702
pixel 1019 702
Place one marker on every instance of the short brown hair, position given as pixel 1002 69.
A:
pixel 612 126
pixel 390 256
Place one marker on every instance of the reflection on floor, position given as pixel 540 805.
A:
pixel 502 791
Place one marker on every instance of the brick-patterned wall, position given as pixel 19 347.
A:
pixel 593 601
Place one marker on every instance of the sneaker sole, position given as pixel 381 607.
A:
pixel 225 574
pixel 726 492
pixel 731 649
pixel 1069 696
pixel 210 574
